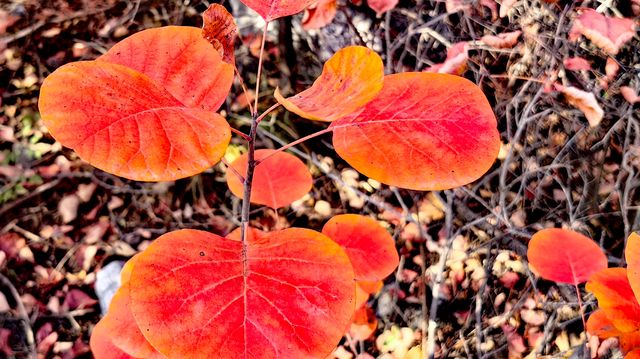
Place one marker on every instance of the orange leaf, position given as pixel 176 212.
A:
pixel 179 59
pixel 382 6
pixel 632 256
pixel 456 62
pixel 273 9
pixel 363 324
pixel 277 182
pixel 319 14
pixel 253 234
pixel 564 256
pixel 628 342
pixel 505 40
pixel 220 30
pixel 123 122
pixel 423 131
pixel 364 289
pixel 635 354
pixel 350 79
pixel 598 324
pixel 370 247
pixel 122 328
pixel 288 295
pixel 608 33
pixel 101 345
pixel 583 101
pixel 616 298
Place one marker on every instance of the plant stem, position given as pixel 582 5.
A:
pixel 264 114
pixel 584 322
pixel 298 141
pixel 251 163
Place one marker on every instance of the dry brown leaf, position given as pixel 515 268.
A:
pixel 608 33
pixel 505 40
pixel 611 70
pixel 629 94
pixel 457 5
pixel 220 30
pixel 583 101
pixel 456 61
pixel 319 14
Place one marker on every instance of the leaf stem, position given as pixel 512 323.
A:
pixel 229 168
pixel 264 38
pixel 296 142
pixel 264 114
pixel 240 133
pixel 244 88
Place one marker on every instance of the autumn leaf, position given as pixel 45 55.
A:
pixel 600 325
pixel 608 33
pixel 101 345
pixel 583 101
pixel 180 60
pixel 279 179
pixel 615 296
pixel 564 256
pixel 198 295
pixel 143 112
pixel 370 247
pixel 320 14
pixel 273 9
pixel 220 30
pixel 351 78
pixel 363 324
pixel 632 256
pixel 423 131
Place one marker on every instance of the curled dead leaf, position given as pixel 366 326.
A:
pixel 583 101
pixel 220 30
pixel 456 61
pixel 320 14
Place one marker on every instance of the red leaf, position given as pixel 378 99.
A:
pixel 273 9
pixel 577 64
pixel 423 131
pixel 102 347
pixel 598 324
pixel 583 101
pixel 350 79
pixel 564 256
pixel 146 121
pixel 370 247
pixel 382 6
pixel 278 181
pixel 456 62
pixel 319 14
pixel 289 295
pixel 364 289
pixel 180 60
pixel 220 30
pixel 616 298
pixel 608 33
pixel 505 40
pixel 632 256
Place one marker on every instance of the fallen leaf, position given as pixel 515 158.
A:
pixel 320 14
pixel 611 70
pixel 452 6
pixel 608 33
pixel 583 101
pixel 504 40
pixel 364 324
